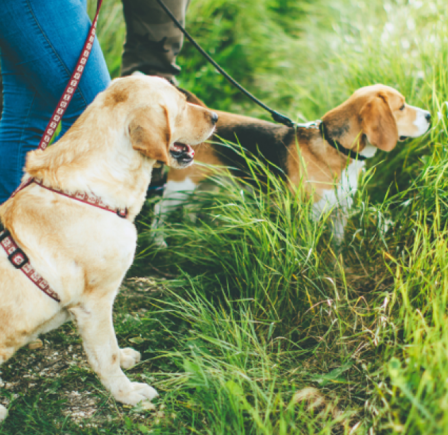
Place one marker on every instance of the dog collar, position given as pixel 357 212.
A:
pixel 337 146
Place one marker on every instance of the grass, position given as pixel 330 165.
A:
pixel 256 323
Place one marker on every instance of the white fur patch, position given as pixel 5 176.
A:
pixel 340 197
pixel 3 413
pixel 175 193
pixel 420 122
pixel 369 151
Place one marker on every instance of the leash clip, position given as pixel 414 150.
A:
pixel 313 124
pixel 122 212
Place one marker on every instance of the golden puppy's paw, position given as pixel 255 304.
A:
pixel 138 392
pixel 129 358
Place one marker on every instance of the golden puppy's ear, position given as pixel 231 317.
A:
pixel 150 139
pixel 378 123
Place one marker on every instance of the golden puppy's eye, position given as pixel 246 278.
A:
pixel 402 107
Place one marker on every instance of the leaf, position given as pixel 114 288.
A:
pixel 333 376
pixel 136 340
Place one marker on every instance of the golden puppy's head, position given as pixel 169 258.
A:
pixel 161 124
pixel 375 115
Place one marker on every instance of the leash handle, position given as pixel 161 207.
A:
pixel 276 116
pixel 72 85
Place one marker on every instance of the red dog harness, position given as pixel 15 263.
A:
pixel 15 255
pixel 19 259
pixel 86 198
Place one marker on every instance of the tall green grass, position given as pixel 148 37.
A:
pixel 259 323
pixel 360 329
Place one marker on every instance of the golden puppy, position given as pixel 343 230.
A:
pixel 317 156
pixel 80 251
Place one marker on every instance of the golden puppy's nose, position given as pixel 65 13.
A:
pixel 214 118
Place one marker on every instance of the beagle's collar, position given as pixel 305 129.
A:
pixel 337 146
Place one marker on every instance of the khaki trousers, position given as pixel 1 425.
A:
pixel 152 40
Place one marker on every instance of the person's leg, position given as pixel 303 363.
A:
pixel 1 94
pixel 40 42
pixel 152 43
pixel 152 40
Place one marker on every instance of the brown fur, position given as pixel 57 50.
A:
pixel 119 96
pixel 374 117
pixel 371 115
pixel 153 143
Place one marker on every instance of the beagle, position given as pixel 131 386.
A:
pixel 327 155
pixel 64 230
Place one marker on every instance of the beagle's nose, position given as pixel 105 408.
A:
pixel 214 118
pixel 428 117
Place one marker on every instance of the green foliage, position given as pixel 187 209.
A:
pixel 268 327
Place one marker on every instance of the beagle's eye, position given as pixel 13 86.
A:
pixel 402 107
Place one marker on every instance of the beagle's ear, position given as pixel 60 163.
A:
pixel 151 140
pixel 378 124
pixel 191 98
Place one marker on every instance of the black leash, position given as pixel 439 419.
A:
pixel 276 116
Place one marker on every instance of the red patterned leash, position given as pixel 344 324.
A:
pixel 15 255
pixel 72 84
pixel 69 91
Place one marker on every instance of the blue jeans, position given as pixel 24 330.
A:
pixel 40 42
